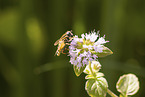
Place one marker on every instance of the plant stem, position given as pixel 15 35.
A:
pixel 111 93
pixel 91 69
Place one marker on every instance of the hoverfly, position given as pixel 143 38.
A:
pixel 63 42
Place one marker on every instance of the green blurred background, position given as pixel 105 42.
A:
pixel 29 28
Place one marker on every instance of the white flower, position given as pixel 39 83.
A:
pixel 85 49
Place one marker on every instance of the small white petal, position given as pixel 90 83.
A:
pixel 83 36
pixel 79 59
pixel 93 37
pixel 90 47
pixel 72 60
pixel 81 40
pixel 85 62
pixel 88 36
pixel 85 46
pixel 89 54
pixel 95 56
pixel 101 41
pixel 72 47
pixel 84 54
pixel 79 65
pixel 75 62
pixel 98 48
pixel 90 59
pixel 73 42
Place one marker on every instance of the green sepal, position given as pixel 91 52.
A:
pixel 127 85
pixel 78 70
pixel 96 87
pixel 106 52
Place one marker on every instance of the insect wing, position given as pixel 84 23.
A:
pixel 63 41
pixel 61 38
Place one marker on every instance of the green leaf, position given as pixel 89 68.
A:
pixel 97 87
pixel 78 70
pixel 128 84
pixel 106 52
pixel 97 75
pixel 95 67
pixel 90 77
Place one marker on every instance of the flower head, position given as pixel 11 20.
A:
pixel 85 49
